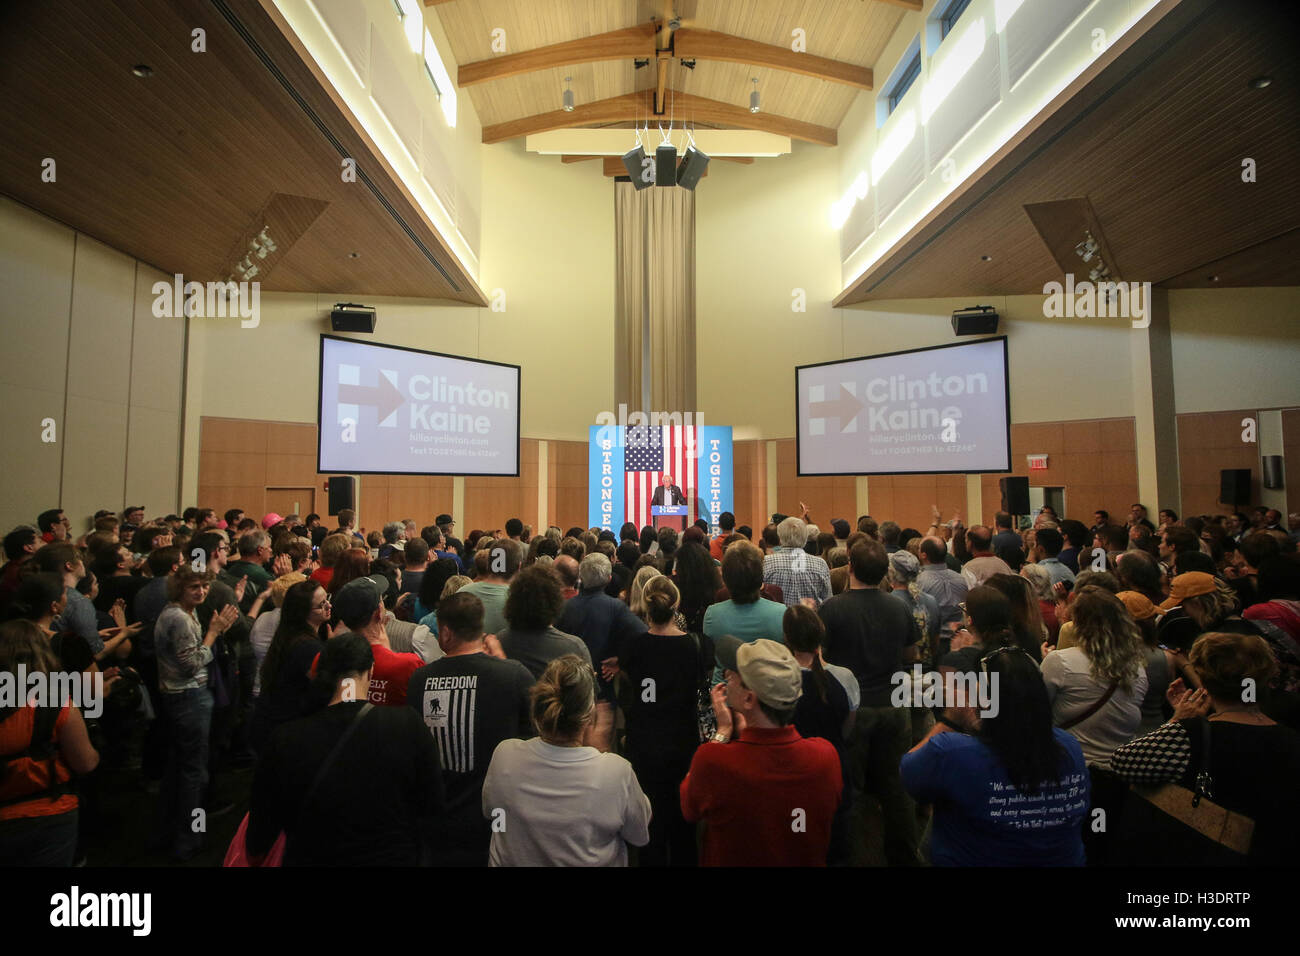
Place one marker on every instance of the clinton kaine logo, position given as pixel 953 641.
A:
pixel 448 705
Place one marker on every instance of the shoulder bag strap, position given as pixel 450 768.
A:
pixel 1096 706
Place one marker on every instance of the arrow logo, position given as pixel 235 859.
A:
pixel 845 408
pixel 385 397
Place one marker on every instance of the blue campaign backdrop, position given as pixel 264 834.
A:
pixel 607 479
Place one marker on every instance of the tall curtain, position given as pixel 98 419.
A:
pixel 654 336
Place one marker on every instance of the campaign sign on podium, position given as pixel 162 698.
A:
pixel 668 516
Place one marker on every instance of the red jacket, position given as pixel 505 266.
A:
pixel 767 799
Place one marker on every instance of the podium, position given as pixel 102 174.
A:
pixel 668 516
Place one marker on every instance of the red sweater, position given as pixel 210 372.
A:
pixel 767 798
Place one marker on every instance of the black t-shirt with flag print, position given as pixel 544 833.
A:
pixel 469 703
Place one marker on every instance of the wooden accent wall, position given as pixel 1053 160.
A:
pixel 1207 443
pixel 909 499
pixel 749 483
pixel 1094 460
pixel 241 462
pixel 566 484
pixel 826 498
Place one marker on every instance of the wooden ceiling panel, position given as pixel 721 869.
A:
pixel 172 168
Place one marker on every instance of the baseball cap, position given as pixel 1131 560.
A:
pixel 1139 605
pixel 767 668
pixel 443 519
pixel 358 600
pixel 271 520
pixel 1191 584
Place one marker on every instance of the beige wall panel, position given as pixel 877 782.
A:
pixel 99 355
pixel 157 350
pixel 153 444
pixel 32 467
pixel 94 462
pixel 36 264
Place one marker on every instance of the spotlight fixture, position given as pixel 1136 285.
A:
pixel 568 95
pixel 753 97
pixel 640 63
pixel 689 64
pixel 1259 82
pixel 142 69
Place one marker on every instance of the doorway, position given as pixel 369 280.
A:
pixel 1053 497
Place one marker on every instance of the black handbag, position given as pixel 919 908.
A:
pixel 1170 825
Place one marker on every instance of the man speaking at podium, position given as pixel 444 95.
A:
pixel 667 493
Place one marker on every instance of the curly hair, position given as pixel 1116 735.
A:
pixel 1108 636
pixel 534 601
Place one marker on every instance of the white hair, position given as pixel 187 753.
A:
pixel 792 532
pixel 594 571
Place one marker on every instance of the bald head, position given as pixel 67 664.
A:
pixel 933 550
pixel 567 568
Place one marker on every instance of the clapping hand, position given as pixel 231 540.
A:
pixel 282 565
pixel 1191 703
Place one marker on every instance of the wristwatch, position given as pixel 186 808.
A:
pixel 719 738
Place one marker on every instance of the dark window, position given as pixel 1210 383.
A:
pixel 905 81
pixel 950 17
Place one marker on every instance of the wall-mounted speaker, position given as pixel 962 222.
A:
pixel 1234 486
pixel 977 320
pixel 1015 494
pixel 343 493
pixel 348 317
pixel 1273 472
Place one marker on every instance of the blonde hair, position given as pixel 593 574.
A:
pixel 660 598
pixel 454 584
pixel 564 698
pixel 635 594
pixel 1210 609
pixel 280 586
pixel 1108 636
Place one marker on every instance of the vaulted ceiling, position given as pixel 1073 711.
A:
pixel 514 58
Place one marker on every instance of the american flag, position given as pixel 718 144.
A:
pixel 649 452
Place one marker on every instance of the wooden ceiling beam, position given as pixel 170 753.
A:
pixel 905 4
pixel 577 159
pixel 690 44
pixel 630 107
pixel 635 41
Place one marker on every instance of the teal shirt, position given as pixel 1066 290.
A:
pixel 748 622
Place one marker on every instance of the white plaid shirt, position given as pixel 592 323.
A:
pixel 798 574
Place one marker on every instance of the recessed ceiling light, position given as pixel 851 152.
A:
pixel 1213 278
pixel 354 255
pixel 1259 82
pixel 986 258
pixel 142 69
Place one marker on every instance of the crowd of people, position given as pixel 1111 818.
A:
pixel 706 696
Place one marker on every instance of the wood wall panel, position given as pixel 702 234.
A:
pixel 749 483
pixel 240 459
pixel 1094 460
pixel 567 484
pixel 1209 442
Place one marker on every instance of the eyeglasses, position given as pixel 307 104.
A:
pixel 319 607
